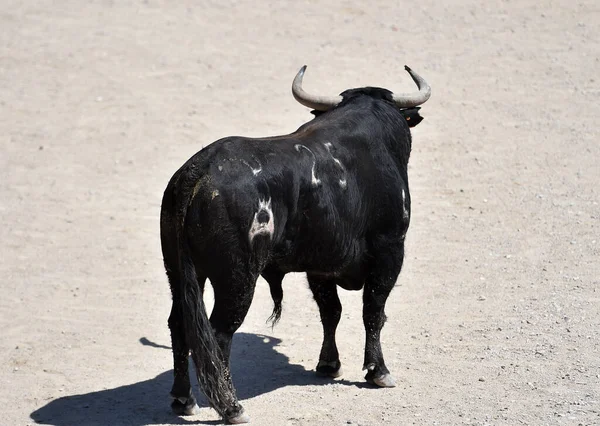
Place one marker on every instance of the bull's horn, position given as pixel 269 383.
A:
pixel 320 103
pixel 409 100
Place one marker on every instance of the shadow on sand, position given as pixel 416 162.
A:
pixel 257 368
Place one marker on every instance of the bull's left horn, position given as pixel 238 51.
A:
pixel 409 100
pixel 320 103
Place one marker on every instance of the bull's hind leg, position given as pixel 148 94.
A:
pixel 330 308
pixel 232 301
pixel 378 285
pixel 233 296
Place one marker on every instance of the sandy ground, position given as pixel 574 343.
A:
pixel 496 317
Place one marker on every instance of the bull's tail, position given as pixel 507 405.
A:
pixel 212 373
pixel 277 296
pixel 213 376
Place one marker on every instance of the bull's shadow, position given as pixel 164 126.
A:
pixel 256 366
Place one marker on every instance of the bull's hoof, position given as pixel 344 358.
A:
pixel 383 381
pixel 239 419
pixel 235 415
pixel 184 406
pixel 329 368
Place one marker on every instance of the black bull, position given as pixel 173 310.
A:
pixel 330 199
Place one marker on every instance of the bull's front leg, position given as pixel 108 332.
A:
pixel 378 286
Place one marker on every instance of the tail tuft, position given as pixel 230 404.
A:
pixel 276 314
pixel 275 278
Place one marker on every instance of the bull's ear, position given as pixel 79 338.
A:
pixel 412 116
pixel 316 112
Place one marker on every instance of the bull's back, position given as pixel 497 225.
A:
pixel 311 199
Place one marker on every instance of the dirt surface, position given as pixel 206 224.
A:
pixel 496 316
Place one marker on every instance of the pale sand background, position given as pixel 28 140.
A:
pixel 496 317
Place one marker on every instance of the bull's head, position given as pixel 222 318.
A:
pixel 324 103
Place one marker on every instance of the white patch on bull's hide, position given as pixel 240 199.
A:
pixel 338 162
pixel 315 181
pixel 255 171
pixel 343 183
pixel 264 228
pixel 404 209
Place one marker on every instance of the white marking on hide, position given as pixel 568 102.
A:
pixel 404 209
pixel 343 183
pixel 255 171
pixel 338 162
pixel 264 228
pixel 315 181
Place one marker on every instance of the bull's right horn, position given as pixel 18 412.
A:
pixel 409 100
